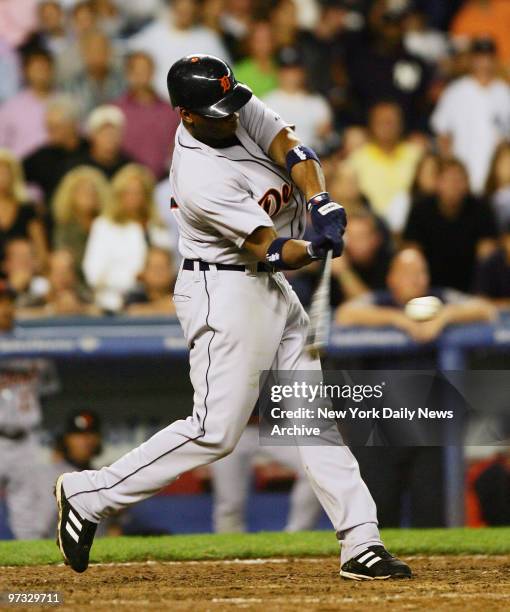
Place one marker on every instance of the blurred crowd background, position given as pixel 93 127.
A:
pixel 407 103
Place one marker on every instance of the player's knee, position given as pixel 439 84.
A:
pixel 226 448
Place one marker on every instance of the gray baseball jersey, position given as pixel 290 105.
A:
pixel 220 196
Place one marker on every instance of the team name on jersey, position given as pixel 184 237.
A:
pixel 273 200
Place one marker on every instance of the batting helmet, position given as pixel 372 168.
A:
pixel 206 85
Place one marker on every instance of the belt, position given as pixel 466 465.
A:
pixel 189 264
pixel 19 435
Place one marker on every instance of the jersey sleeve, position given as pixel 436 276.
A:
pixel 228 209
pixel 261 123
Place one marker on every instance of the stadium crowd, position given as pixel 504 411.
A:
pixel 406 101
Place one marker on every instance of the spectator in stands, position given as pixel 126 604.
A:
pixel 105 129
pixel 138 13
pixel 174 34
pixel 151 123
pixel 64 295
pixel 409 278
pixel 82 195
pixel 324 49
pixel 284 23
pixel 100 82
pixel 364 264
pixel 497 187
pixel 421 40
pixel 18 218
pixel 258 69
pixel 473 114
pixel 385 166
pixel 492 278
pixel 453 229
pixel 109 16
pixel 381 68
pixel 353 138
pixel 477 18
pixel 82 22
pixel 17 20
pixel 22 125
pixel 117 246
pixel 22 272
pixel 423 186
pixel 212 15
pixel 236 20
pixel 345 188
pixel 10 70
pixel 51 32
pixel 309 112
pixel 152 295
pixel 64 148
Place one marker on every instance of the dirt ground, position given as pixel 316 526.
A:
pixel 440 583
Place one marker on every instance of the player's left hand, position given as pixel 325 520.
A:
pixel 328 218
pixel 320 245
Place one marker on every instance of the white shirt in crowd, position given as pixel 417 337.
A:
pixel 430 45
pixel 308 112
pixel 114 257
pixel 477 118
pixel 167 44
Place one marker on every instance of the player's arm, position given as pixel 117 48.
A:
pixel 308 174
pixel 303 165
pixel 293 253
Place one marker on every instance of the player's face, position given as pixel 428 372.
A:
pixel 210 130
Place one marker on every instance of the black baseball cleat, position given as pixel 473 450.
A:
pixel 375 563
pixel 74 534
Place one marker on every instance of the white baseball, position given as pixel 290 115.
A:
pixel 423 308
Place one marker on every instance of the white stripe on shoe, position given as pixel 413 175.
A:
pixel 75 520
pixel 365 557
pixel 372 561
pixel 72 532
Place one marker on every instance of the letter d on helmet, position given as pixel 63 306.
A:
pixel 206 85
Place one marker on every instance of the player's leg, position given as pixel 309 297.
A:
pixel 231 477
pixel 304 507
pixel 22 492
pixel 333 471
pixel 233 324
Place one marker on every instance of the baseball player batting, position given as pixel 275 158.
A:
pixel 241 183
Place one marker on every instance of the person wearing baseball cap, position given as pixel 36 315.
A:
pixel 80 441
pixel 104 127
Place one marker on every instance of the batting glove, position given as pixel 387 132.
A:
pixel 319 246
pixel 328 218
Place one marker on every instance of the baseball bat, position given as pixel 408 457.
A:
pixel 319 312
